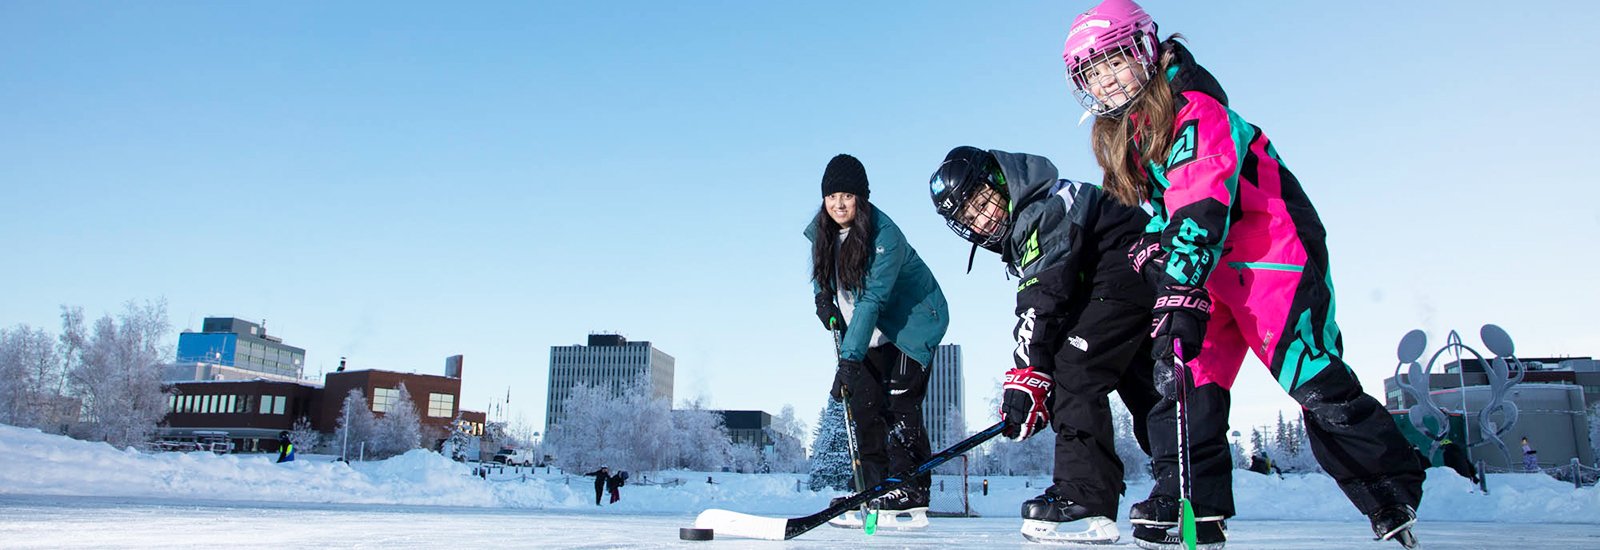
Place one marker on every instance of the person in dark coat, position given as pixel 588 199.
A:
pixel 285 448
pixel 614 483
pixel 601 476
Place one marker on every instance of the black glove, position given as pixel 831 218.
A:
pixel 1180 319
pixel 849 371
pixel 1146 258
pixel 828 312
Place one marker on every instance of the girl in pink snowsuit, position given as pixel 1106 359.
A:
pixel 1237 257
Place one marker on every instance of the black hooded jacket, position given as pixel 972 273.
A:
pixel 1069 243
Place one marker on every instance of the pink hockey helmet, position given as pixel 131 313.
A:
pixel 1111 28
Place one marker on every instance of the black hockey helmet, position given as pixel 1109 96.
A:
pixel 958 183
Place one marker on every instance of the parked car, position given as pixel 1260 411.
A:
pixel 514 457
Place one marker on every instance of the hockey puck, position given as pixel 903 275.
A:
pixel 691 533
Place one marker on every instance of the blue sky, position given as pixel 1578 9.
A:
pixel 400 182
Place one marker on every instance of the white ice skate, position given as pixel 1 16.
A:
pixel 1090 530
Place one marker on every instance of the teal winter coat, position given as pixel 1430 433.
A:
pixel 900 298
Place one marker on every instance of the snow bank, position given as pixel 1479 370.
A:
pixel 41 464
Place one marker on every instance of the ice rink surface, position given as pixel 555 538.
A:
pixel 94 522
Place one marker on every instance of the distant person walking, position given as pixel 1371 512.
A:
pixel 286 448
pixel 601 476
pixel 1530 457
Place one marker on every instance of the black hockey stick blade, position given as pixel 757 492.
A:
pixel 735 524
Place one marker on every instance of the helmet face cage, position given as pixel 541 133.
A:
pixel 1102 67
pixel 975 208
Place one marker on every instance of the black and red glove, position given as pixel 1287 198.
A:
pixel 1025 404
pixel 1180 315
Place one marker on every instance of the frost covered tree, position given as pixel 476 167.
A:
pixel 400 429
pixel 1291 447
pixel 788 443
pixel 955 430
pixel 30 379
pixel 303 436
pixel 462 445
pixel 356 425
pixel 746 459
pixel 626 429
pixel 1135 464
pixel 830 450
pixel 701 442
pixel 118 373
pixel 1594 431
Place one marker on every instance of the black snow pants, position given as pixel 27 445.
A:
pixel 889 429
pixel 1106 347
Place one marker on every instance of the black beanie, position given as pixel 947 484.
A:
pixel 845 175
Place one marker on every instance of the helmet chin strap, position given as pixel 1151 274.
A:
pixel 970 256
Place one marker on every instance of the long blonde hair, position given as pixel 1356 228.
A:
pixel 1123 143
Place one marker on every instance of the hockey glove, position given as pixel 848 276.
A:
pixel 1146 258
pixel 848 373
pixel 1024 407
pixel 1180 313
pixel 828 312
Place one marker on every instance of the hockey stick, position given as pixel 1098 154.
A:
pixel 1186 519
pixel 724 522
pixel 869 517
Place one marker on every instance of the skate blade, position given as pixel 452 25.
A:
pixel 910 519
pixel 1395 533
pixel 1095 530
pixel 848 520
pixel 1406 538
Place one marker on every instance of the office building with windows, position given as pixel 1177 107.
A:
pixel 608 361
pixel 943 407
pixel 250 413
pixel 227 348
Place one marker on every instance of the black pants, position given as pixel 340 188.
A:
pixel 1352 437
pixel 1106 347
pixel 889 431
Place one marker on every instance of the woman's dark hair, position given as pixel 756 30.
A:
pixel 855 253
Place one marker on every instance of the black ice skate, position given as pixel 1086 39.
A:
pixel 1209 535
pixel 1394 522
pixel 850 519
pixel 903 508
pixel 1052 519
pixel 1162 511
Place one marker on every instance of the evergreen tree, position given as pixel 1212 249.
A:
pixel 461 445
pixel 830 450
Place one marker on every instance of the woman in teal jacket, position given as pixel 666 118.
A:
pixel 871 285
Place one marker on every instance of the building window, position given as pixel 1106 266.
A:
pixel 383 399
pixel 277 403
pixel 266 404
pixel 440 405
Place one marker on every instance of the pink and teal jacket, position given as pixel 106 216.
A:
pixel 1225 204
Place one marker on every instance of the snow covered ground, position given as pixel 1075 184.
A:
pixel 58 492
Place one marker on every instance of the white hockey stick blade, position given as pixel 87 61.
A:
pixel 727 523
